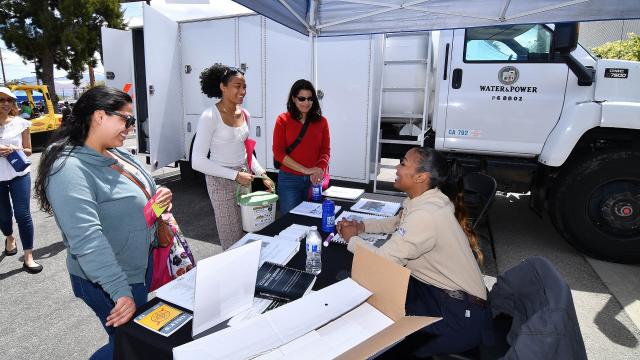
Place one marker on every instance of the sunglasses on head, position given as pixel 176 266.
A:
pixel 302 98
pixel 233 70
pixel 129 119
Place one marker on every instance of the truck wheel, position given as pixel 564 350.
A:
pixel 186 170
pixel 595 205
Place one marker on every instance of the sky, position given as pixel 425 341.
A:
pixel 175 9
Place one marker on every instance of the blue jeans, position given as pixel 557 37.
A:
pixel 19 189
pixel 292 190
pixel 100 302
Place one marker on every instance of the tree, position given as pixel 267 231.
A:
pixel 60 33
pixel 622 49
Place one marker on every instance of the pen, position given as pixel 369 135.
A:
pixel 328 239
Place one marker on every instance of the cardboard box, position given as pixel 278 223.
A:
pixel 324 324
pixel 388 282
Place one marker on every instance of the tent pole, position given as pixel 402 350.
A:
pixel 312 44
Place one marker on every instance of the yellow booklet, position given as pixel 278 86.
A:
pixel 163 319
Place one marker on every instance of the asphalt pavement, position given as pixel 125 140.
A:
pixel 41 319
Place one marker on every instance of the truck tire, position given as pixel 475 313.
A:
pixel 595 205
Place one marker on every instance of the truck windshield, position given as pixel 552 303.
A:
pixel 513 43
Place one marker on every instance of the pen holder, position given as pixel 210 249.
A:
pixel 18 160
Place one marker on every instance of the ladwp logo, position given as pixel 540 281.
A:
pixel 508 75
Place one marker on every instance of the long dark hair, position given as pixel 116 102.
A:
pixel 74 132
pixel 449 180
pixel 213 76
pixel 315 113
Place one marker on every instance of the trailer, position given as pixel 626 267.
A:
pixel 522 102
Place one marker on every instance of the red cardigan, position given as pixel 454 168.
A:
pixel 312 151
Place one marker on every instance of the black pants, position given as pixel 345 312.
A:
pixel 464 325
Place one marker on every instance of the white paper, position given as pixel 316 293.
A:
pixel 277 327
pixel 259 306
pixel 370 237
pixel 180 291
pixel 225 284
pixel 377 207
pixel 343 192
pixel 335 338
pixel 278 251
pixel 311 209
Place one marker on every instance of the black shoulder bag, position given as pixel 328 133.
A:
pixel 290 148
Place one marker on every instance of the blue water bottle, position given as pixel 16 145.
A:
pixel 316 192
pixel 328 216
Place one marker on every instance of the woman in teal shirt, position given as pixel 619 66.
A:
pixel 99 210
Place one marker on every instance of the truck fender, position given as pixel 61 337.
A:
pixel 574 122
pixel 621 114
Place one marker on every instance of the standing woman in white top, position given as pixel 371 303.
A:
pixel 219 151
pixel 15 187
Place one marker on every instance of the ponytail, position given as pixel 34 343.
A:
pixel 449 180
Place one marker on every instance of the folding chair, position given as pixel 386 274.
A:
pixel 479 191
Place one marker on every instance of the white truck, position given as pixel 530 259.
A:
pixel 523 103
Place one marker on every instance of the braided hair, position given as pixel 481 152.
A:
pixel 449 181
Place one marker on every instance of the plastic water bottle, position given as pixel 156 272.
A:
pixel 316 192
pixel 314 248
pixel 328 216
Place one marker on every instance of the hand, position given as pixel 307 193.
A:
pixel 244 178
pixel 121 313
pixel 316 174
pixel 7 149
pixel 268 183
pixel 349 228
pixel 164 198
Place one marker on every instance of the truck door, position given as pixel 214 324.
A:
pixel 506 90
pixel 117 56
pixel 164 88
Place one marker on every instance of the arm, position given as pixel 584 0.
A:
pixel 381 226
pixel 415 237
pixel 26 142
pixel 199 161
pixel 76 210
pixel 256 168
pixel 325 147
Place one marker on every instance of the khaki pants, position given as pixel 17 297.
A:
pixel 222 193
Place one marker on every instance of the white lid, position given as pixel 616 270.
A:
pixel 314 228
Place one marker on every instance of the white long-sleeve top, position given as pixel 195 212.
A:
pixel 226 144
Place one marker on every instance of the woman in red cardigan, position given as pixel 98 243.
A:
pixel 307 162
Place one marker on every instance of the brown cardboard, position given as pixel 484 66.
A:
pixel 388 282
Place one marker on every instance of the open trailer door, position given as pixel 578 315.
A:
pixel 117 56
pixel 164 88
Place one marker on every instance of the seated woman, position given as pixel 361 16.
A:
pixel 431 238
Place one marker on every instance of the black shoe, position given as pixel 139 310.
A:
pixel 32 269
pixel 9 252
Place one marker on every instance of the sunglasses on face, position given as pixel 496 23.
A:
pixel 302 98
pixel 129 119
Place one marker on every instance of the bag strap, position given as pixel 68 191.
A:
pixel 126 173
pixel 290 148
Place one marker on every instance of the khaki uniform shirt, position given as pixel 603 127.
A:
pixel 428 240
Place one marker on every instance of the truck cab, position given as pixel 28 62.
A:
pixel 530 106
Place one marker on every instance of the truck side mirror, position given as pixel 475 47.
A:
pixel 565 38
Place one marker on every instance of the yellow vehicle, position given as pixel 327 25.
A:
pixel 41 124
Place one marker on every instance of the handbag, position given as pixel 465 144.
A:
pixel 18 160
pixel 171 261
pixel 297 141
pixel 172 257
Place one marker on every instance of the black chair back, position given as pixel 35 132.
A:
pixel 479 191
